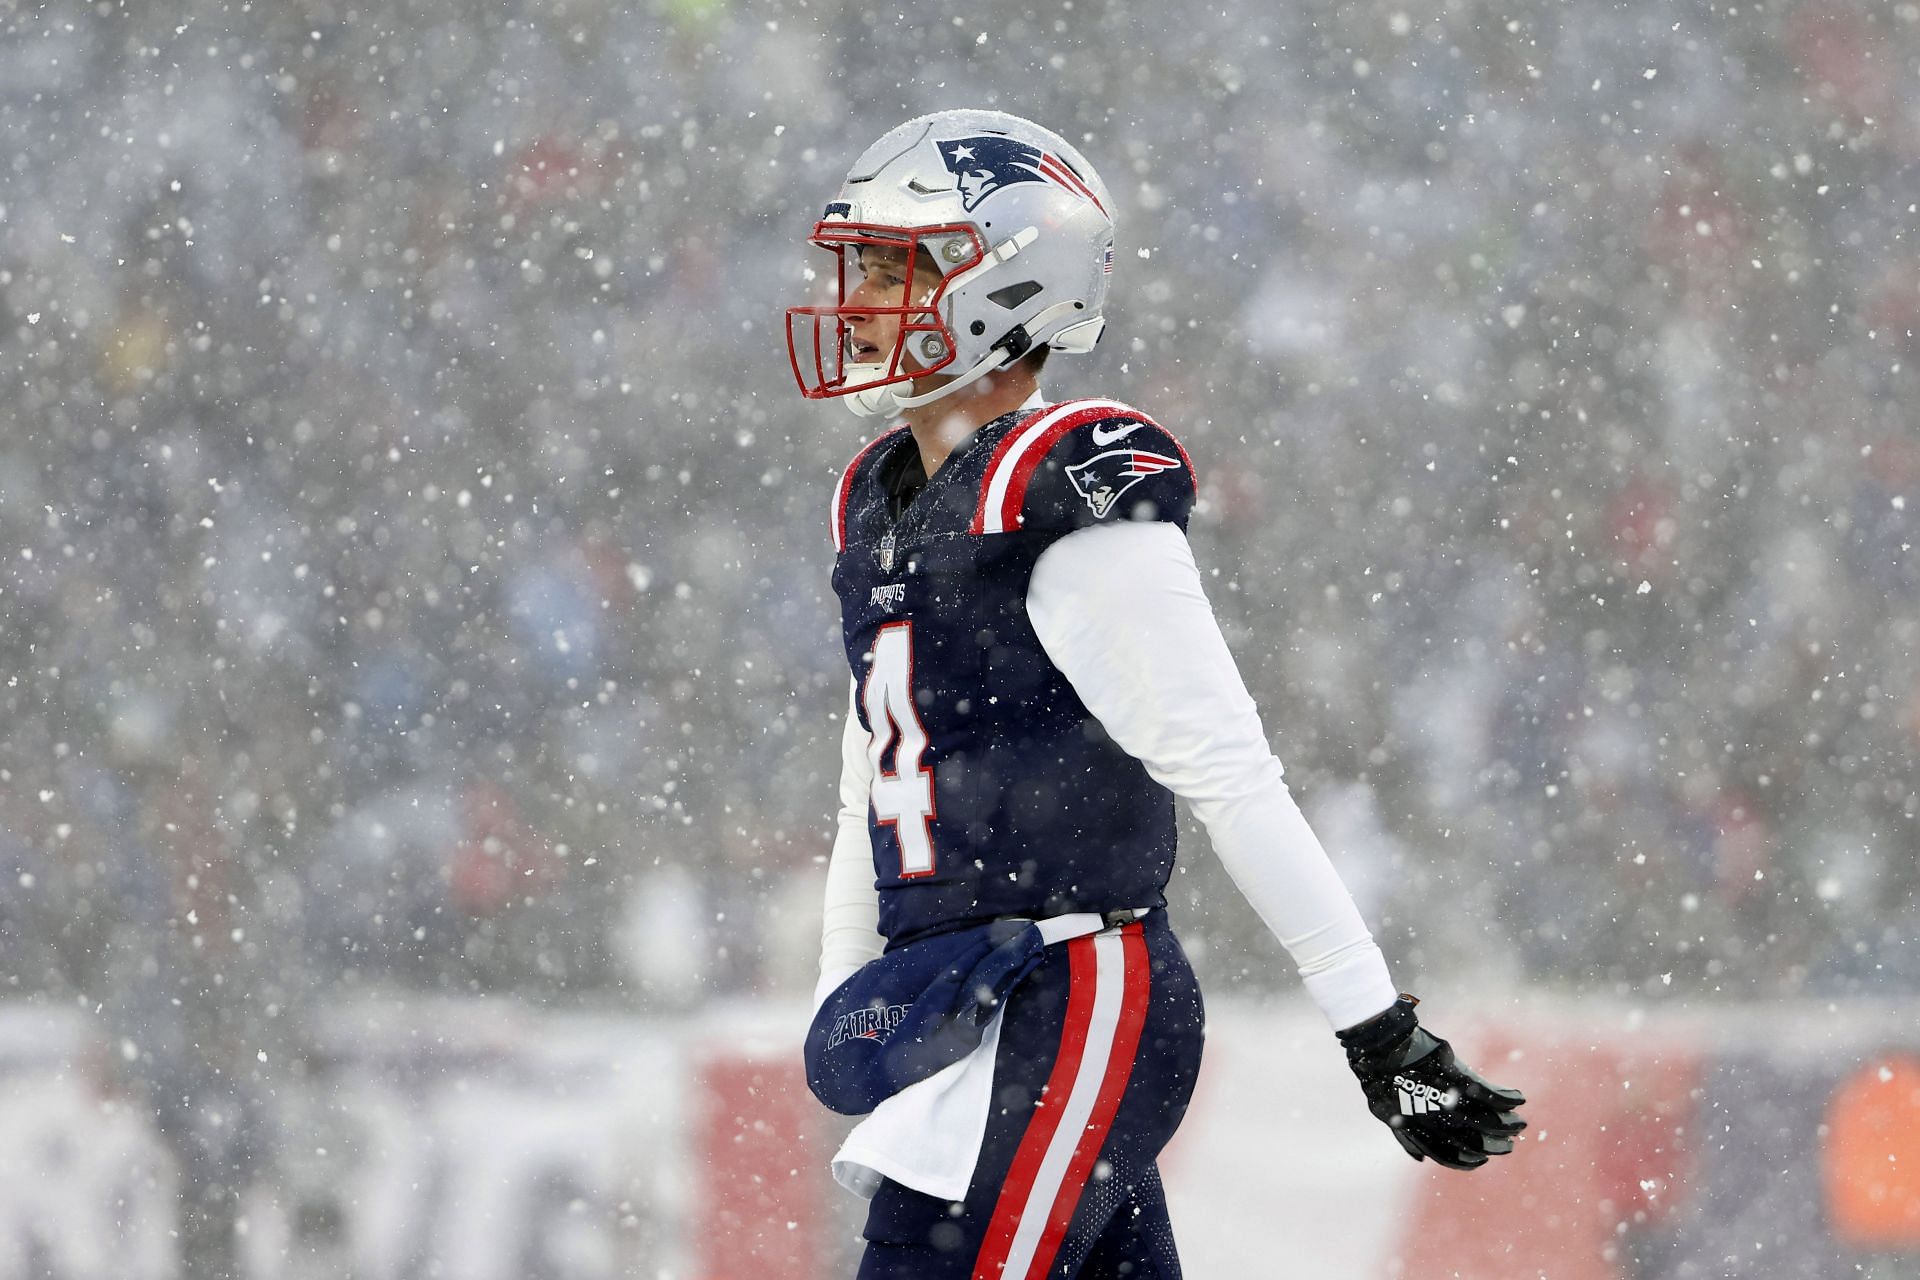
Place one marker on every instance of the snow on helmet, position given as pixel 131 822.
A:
pixel 1019 227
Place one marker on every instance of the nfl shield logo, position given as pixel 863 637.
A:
pixel 886 553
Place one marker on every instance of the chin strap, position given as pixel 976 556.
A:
pixel 875 402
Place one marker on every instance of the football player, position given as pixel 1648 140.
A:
pixel 1036 675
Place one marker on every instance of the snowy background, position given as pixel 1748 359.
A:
pixel 414 549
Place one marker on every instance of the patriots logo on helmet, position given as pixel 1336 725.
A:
pixel 985 164
pixel 1102 478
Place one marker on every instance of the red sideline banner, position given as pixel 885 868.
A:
pixel 762 1210
pixel 1610 1154
pixel 1775 1141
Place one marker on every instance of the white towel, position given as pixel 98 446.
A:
pixel 928 1135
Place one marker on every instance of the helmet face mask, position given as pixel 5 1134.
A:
pixel 821 340
pixel 1013 220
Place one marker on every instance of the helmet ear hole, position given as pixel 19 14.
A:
pixel 1014 294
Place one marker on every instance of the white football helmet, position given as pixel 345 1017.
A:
pixel 1020 227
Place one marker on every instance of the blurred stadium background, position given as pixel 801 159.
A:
pixel 418 668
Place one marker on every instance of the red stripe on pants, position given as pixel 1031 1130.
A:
pixel 1137 980
pixel 1046 1113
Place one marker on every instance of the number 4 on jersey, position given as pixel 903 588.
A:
pixel 903 797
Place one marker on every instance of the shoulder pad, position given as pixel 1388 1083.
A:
pixel 1082 463
pixel 843 490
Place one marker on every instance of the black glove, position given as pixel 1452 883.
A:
pixel 1435 1104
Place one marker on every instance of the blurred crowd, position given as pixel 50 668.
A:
pixel 415 560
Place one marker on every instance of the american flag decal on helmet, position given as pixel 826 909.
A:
pixel 1106 262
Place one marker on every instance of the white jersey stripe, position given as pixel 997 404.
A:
pixel 1009 464
pixel 1110 986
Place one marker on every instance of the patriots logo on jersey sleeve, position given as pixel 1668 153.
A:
pixel 985 164
pixel 1102 478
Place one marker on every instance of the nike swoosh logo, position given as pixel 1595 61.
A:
pixel 1104 435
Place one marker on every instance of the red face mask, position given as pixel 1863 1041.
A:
pixel 876 333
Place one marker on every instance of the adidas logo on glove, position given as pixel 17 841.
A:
pixel 1418 1099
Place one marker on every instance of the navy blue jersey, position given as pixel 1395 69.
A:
pixel 996 792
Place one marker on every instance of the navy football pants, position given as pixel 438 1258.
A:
pixel 1098 1053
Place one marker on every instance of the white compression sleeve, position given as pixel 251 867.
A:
pixel 850 922
pixel 1120 610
